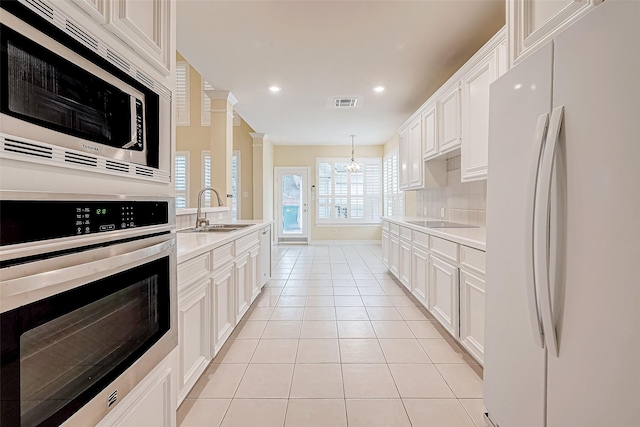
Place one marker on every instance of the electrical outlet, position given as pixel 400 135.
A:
pixel 441 212
pixel 335 231
pixel 220 216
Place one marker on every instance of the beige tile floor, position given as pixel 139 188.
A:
pixel 334 340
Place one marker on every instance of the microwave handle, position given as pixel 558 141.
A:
pixel 134 122
pixel 20 285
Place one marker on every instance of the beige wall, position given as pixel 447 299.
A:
pixel 300 155
pixel 243 142
pixel 196 138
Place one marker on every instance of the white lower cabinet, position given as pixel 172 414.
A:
pixel 215 290
pixel 394 255
pixel 193 335
pixel 152 403
pixel 420 275
pixel 472 312
pixel 404 264
pixel 385 248
pixel 443 298
pixel 223 297
pixel 445 277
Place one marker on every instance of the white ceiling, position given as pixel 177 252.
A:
pixel 318 50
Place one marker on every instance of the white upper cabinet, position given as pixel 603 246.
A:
pixel 429 132
pixel 532 23
pixel 97 9
pixel 475 118
pixel 449 119
pixel 404 159
pixel 415 153
pixel 144 26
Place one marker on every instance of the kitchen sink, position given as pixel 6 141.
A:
pixel 215 228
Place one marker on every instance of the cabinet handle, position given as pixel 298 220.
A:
pixel 530 279
pixel 265 232
pixel 542 228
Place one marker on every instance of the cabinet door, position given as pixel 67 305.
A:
pixel 385 248
pixel 429 132
pixel 449 119
pixel 242 286
pixel 405 264
pixel 95 8
pixel 394 255
pixel 193 335
pixel 532 23
pixel 404 159
pixel 503 57
pixel 151 403
pixel 472 290
pixel 420 275
pixel 255 279
pixel 144 26
pixel 415 153
pixel 224 303
pixel 265 256
pixel 443 299
pixel 475 118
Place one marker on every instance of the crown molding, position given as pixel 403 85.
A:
pixel 222 94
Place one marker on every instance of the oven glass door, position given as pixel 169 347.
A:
pixel 42 88
pixel 61 351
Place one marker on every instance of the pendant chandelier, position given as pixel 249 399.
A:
pixel 353 166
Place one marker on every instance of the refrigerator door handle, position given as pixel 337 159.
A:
pixel 542 212
pixel 532 299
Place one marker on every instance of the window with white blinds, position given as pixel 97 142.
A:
pixel 181 179
pixel 393 196
pixel 206 177
pixel 205 115
pixel 181 94
pixel 349 197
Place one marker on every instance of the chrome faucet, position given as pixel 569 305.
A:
pixel 202 222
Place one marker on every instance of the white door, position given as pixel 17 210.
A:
pixel 420 274
pixel 430 131
pixel 292 204
pixel 404 264
pixel 595 379
pixel 472 313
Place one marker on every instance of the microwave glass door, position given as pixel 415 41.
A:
pixel 45 89
pixel 59 352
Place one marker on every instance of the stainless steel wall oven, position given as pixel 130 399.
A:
pixel 87 301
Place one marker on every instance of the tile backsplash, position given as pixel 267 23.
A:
pixel 463 202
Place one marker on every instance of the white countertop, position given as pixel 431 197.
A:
pixel 472 237
pixel 194 244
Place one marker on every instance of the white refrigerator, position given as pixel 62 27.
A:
pixel 562 344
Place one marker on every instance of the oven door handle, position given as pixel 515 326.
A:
pixel 39 281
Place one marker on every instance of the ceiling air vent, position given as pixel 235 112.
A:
pixel 344 102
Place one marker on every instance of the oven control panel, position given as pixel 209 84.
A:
pixel 33 220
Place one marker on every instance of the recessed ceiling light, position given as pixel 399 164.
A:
pixel 378 89
pixel 274 88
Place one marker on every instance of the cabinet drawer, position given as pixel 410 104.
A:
pixel 473 259
pixel 385 225
pixel 444 248
pixel 421 240
pixel 194 268
pixel 394 229
pixel 243 244
pixel 222 255
pixel 405 233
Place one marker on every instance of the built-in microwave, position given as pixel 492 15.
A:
pixel 55 91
